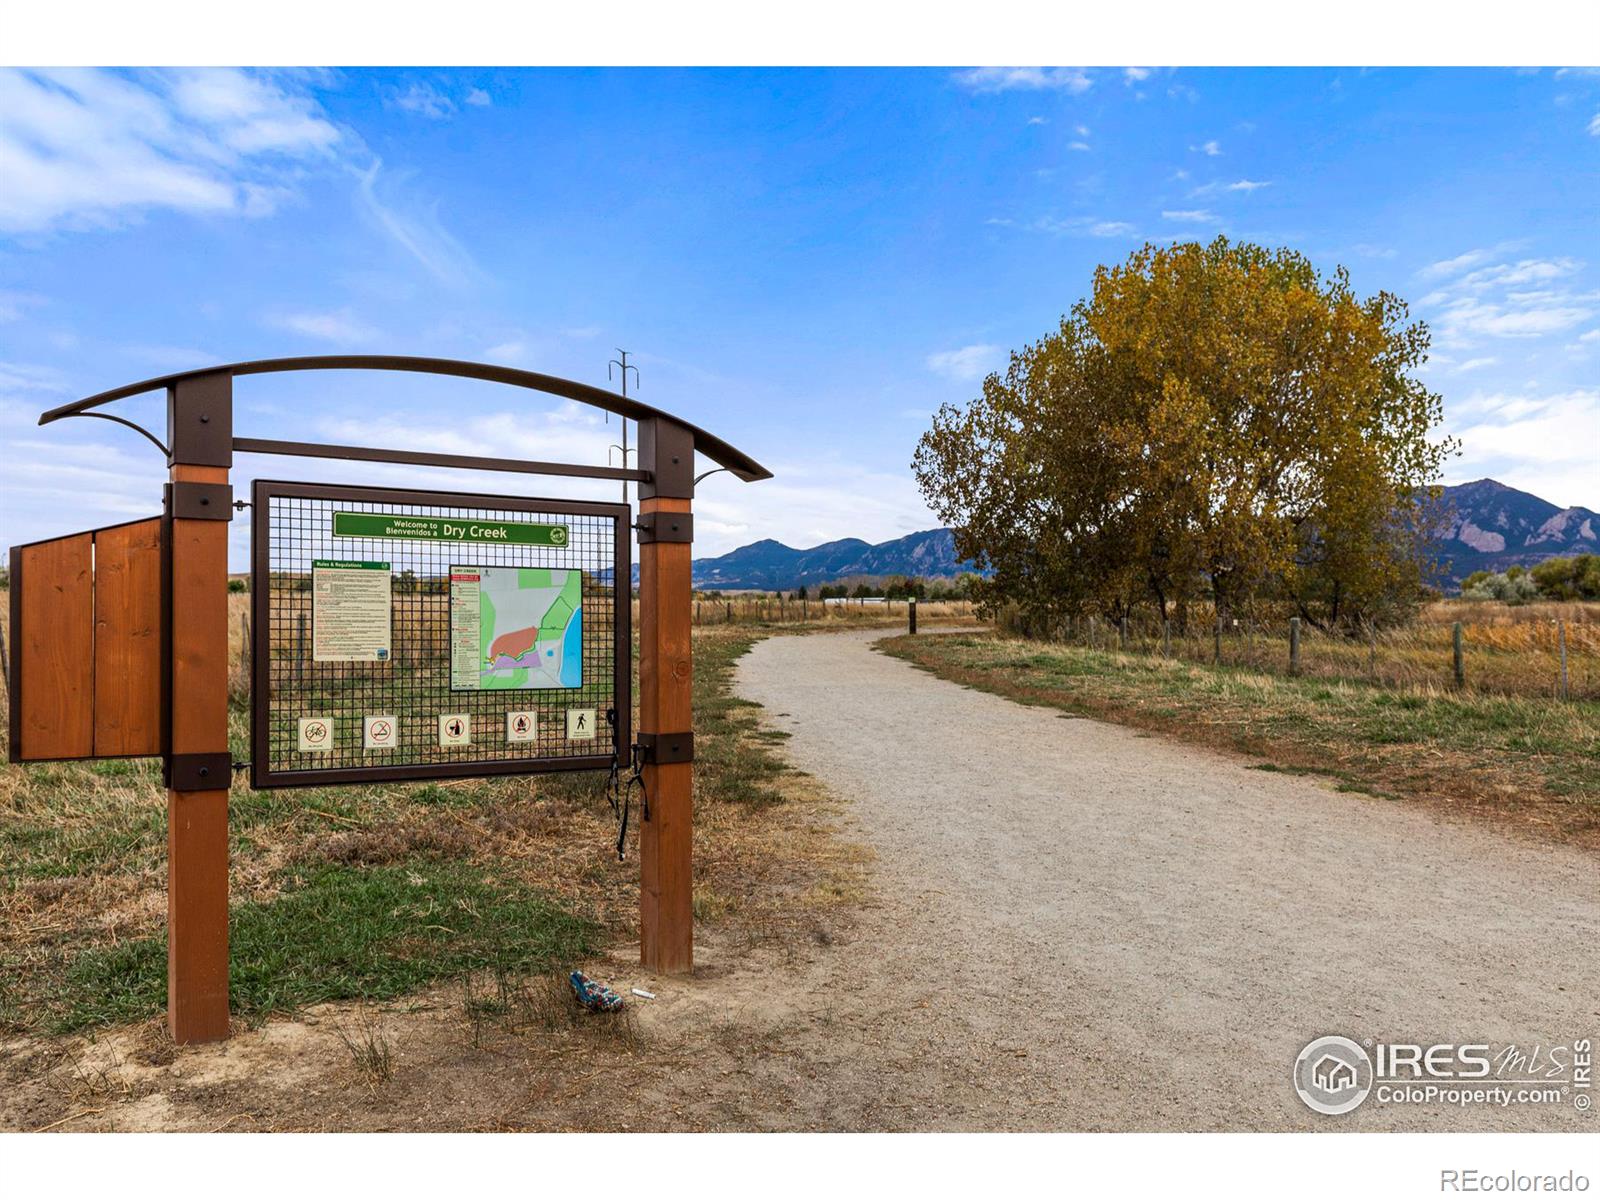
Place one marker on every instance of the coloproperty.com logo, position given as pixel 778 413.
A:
pixel 1336 1075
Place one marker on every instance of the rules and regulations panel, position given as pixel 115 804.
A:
pixel 401 634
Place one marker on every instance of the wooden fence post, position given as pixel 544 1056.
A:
pixel 1458 655
pixel 1166 637
pixel 1294 645
pixel 200 433
pixel 1122 634
pixel 1372 651
pixel 1216 643
pixel 666 717
pixel 1561 637
pixel 911 620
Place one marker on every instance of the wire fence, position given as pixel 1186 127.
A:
pixel 1547 650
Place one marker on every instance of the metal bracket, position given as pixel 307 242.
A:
pixel 199 772
pixel 660 749
pixel 665 527
pixel 200 501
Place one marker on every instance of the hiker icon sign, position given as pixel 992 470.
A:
pixel 580 724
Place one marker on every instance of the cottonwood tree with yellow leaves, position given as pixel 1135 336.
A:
pixel 1213 423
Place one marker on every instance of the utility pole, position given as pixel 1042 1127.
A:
pixel 624 366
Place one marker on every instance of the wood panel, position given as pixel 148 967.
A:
pixel 666 840
pixel 197 822
pixel 127 639
pixel 55 650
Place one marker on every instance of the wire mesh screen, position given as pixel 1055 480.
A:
pixel 408 635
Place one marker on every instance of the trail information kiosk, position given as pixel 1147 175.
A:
pixel 396 634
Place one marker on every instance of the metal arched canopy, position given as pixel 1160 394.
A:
pixel 713 447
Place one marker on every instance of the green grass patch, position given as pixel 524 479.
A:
pixel 340 933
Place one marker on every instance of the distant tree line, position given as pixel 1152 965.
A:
pixel 1576 578
pixel 1214 424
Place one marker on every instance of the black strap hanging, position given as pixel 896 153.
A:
pixel 619 791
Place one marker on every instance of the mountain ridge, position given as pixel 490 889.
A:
pixel 1483 525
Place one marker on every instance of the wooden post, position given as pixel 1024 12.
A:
pixel 200 432
pixel 1294 645
pixel 1122 634
pixel 1216 643
pixel 666 897
pixel 1372 651
pixel 1166 638
pixel 911 621
pixel 1458 654
pixel 1561 637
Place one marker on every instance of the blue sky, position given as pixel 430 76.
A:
pixel 807 262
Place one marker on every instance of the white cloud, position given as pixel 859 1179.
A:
pixel 341 326
pixel 1475 364
pixel 1074 226
pixel 1210 149
pixel 1081 130
pixel 1529 298
pixel 1594 125
pixel 1534 442
pixel 14 304
pixel 479 98
pixel 424 100
pixel 1189 214
pixel 1079 146
pixel 1132 75
pixel 1453 266
pixel 1038 121
pixel 967 363
pixel 1249 185
pixel 85 148
pixel 1074 80
pixel 1370 250
pixel 414 226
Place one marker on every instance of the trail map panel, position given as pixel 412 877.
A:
pixel 467 626
pixel 515 627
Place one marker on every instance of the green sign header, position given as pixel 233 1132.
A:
pixel 446 529
pixel 347 564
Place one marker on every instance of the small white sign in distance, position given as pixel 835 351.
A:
pixel 455 729
pixel 315 735
pixel 379 733
pixel 522 726
pixel 580 724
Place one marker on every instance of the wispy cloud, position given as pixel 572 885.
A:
pixel 1210 149
pixel 424 100
pixel 342 326
pixel 1199 215
pixel 94 149
pixel 414 226
pixel 1133 75
pixel 13 305
pixel 1594 125
pixel 479 98
pixel 1453 266
pixel 967 363
pixel 1529 298
pixel 1074 80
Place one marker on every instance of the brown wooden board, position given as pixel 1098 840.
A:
pixel 666 898
pixel 53 636
pixel 127 640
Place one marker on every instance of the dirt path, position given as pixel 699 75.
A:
pixel 1086 928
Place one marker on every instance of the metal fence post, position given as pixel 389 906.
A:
pixel 1166 638
pixel 1459 656
pixel 1294 645
pixel 911 617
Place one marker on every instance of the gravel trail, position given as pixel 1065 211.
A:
pixel 1083 927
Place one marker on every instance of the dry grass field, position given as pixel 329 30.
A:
pixel 1508 650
